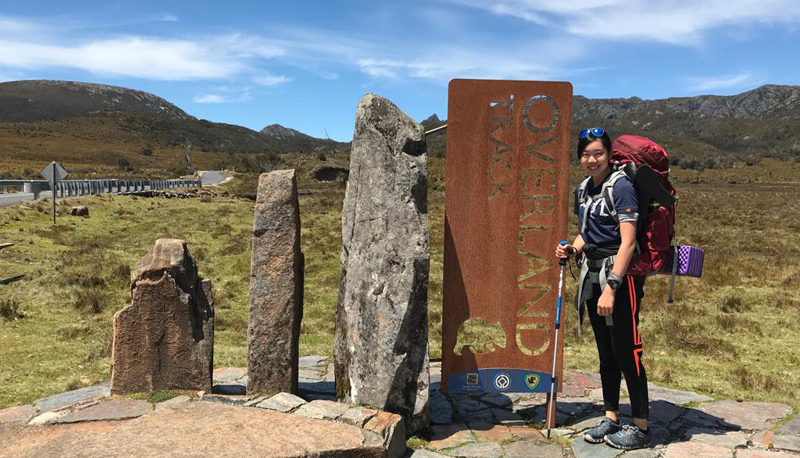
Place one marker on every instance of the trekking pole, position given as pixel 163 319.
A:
pixel 551 406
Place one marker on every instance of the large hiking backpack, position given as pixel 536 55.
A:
pixel 646 165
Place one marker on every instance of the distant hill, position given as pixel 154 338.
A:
pixel 278 131
pixel 39 100
pixel 698 132
pixel 294 140
pixel 131 115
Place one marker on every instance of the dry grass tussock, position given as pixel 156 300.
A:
pixel 732 333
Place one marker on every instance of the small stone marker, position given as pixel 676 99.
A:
pixel 79 211
pixel 381 345
pixel 276 287
pixel 165 339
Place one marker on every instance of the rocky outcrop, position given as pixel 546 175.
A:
pixel 276 287
pixel 765 102
pixel 165 339
pixel 79 211
pixel 381 345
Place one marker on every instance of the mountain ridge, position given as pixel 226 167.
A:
pixel 700 131
pixel 152 118
pixel 770 101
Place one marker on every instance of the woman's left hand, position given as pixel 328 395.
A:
pixel 605 305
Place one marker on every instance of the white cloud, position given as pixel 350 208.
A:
pixel 129 56
pixel 321 52
pixel 723 82
pixel 270 80
pixel 223 98
pixel 209 98
pixel 167 18
pixel 15 26
pixel 665 21
pixel 444 62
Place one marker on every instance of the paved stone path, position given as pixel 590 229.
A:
pixel 683 424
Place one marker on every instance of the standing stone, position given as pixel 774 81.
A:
pixel 381 345
pixel 165 339
pixel 276 287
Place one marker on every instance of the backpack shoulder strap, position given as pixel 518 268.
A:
pixel 582 201
pixel 608 191
pixel 582 190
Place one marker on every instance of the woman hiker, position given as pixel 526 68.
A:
pixel 612 297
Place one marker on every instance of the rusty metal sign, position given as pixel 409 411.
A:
pixel 505 211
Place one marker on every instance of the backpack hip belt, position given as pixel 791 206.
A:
pixel 592 277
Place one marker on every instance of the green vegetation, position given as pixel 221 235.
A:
pixel 732 333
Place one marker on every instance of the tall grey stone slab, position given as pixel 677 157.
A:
pixel 165 339
pixel 381 343
pixel 276 287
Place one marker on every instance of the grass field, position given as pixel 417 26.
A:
pixel 732 334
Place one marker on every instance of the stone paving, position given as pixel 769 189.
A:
pixel 683 424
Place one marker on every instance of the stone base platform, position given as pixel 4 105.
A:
pixel 510 425
pixel 193 429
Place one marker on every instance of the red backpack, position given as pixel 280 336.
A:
pixel 647 166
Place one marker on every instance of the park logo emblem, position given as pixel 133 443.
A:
pixel 532 380
pixel 472 379
pixel 502 381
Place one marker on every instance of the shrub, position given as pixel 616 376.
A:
pixel 9 309
pixel 341 179
pixel 123 164
pixel 94 299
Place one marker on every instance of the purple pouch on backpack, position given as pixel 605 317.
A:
pixel 690 261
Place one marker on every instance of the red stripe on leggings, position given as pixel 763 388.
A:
pixel 637 339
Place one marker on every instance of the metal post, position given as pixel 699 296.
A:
pixel 54 191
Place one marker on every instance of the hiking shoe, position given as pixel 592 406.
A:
pixel 629 438
pixel 604 427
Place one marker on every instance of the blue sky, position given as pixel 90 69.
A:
pixel 305 64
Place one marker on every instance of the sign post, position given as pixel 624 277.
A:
pixel 54 173
pixel 506 207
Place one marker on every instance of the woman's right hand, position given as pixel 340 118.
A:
pixel 564 251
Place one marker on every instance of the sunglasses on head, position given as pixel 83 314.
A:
pixel 596 132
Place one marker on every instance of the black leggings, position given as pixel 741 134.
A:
pixel 620 346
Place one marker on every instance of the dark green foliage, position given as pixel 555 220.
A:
pixel 437 142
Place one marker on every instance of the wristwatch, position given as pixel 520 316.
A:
pixel 613 280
